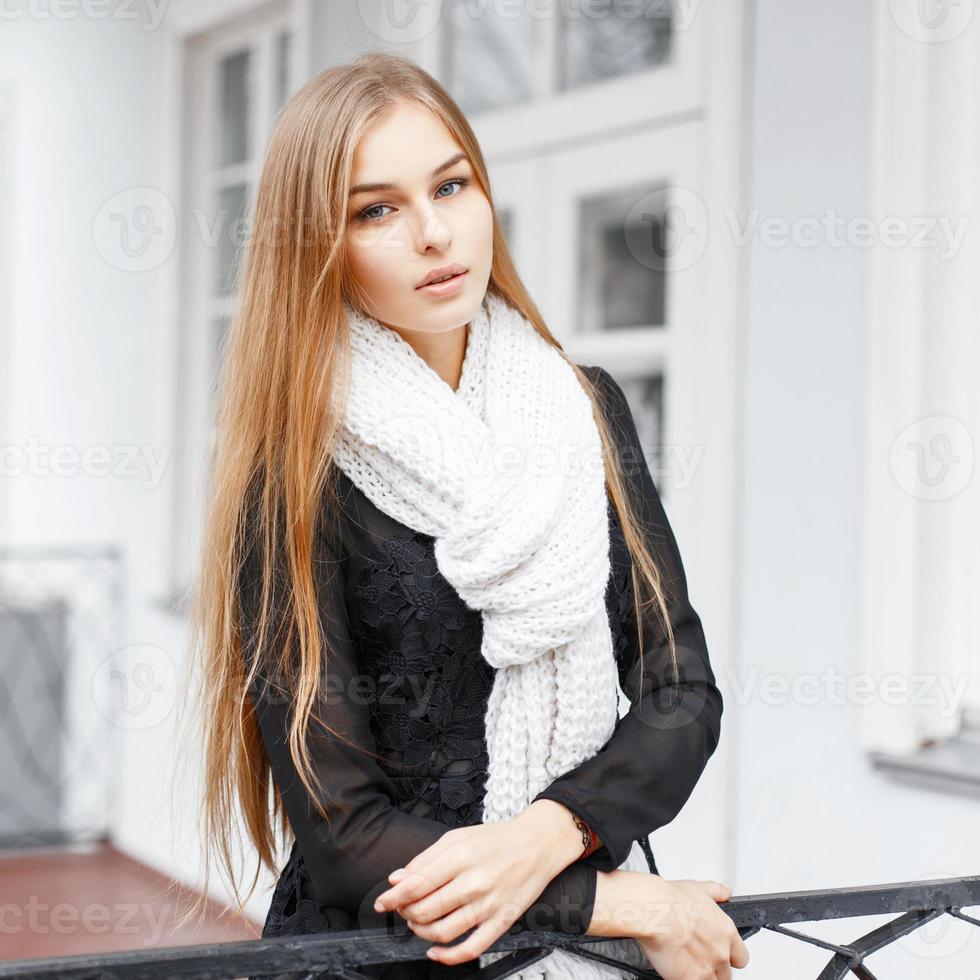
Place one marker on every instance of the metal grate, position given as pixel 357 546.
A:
pixel 60 612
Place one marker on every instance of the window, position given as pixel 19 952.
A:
pixel 249 83
pixel 490 55
pixel 506 218
pixel 237 77
pixel 234 91
pixel 602 41
pixel 571 65
pixel 645 395
pixel 622 260
pixel 592 214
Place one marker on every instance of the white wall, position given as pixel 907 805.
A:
pixel 89 362
pixel 809 811
pixel 83 334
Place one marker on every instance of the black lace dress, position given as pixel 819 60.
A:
pixel 409 683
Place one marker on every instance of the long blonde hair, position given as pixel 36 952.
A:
pixel 280 388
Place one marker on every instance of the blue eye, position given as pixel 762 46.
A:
pixel 366 215
pixel 462 181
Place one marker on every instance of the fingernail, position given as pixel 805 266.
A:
pixel 379 906
pixel 396 874
pixel 431 953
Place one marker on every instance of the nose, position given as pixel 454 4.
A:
pixel 431 230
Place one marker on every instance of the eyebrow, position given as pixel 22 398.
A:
pixel 363 188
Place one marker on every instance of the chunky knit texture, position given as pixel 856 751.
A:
pixel 506 474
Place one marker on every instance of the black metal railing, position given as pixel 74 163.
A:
pixel 346 954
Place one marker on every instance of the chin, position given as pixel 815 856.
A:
pixel 448 315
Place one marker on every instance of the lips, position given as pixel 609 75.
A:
pixel 441 272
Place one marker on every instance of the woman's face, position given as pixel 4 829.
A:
pixel 433 214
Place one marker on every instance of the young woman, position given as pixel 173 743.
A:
pixel 432 547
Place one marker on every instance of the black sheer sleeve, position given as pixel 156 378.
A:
pixel 367 837
pixel 649 767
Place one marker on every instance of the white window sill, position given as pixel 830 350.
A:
pixel 948 766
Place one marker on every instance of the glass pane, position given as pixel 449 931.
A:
pixel 622 278
pixel 489 54
pixel 283 42
pixel 231 230
pixel 219 333
pixel 646 400
pixel 597 41
pixel 234 100
pixel 506 218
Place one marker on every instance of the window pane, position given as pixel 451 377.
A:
pixel 232 232
pixel 506 218
pixel 646 400
pixel 598 41
pixel 489 54
pixel 622 280
pixel 283 42
pixel 219 333
pixel 234 100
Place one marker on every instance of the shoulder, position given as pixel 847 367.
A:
pixel 613 399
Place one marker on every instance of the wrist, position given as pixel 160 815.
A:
pixel 559 840
pixel 618 908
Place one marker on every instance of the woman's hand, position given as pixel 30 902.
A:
pixel 486 875
pixel 677 924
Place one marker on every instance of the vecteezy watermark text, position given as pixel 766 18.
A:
pixel 34 458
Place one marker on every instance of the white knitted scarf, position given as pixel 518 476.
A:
pixel 506 475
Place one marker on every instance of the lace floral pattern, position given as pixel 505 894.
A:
pixel 619 593
pixel 420 645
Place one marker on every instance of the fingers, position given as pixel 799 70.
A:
pixel 471 947
pixel 739 954
pixel 447 928
pixel 411 886
pixel 426 871
pixel 718 891
pixel 437 904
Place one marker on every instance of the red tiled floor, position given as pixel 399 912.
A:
pixel 96 900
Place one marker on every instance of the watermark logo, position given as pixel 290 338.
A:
pixel 135 230
pixel 118 460
pixel 832 229
pixel 406 21
pixel 945 935
pixel 667 229
pixel 932 21
pixel 149 13
pixel 135 686
pixel 401 21
pixel 932 459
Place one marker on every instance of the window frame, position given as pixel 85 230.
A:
pixel 202 36
pixel 671 91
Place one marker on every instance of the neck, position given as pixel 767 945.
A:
pixel 443 352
